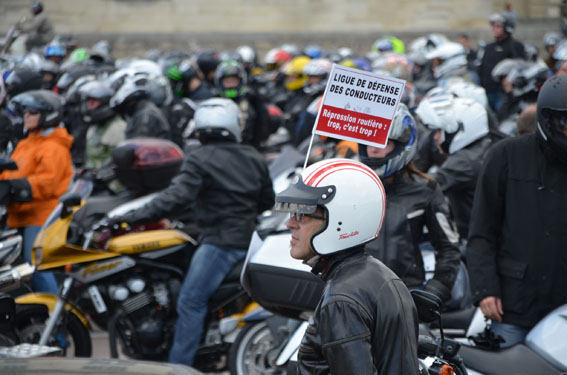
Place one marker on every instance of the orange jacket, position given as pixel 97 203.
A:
pixel 45 160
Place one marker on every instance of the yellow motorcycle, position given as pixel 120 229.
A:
pixel 126 281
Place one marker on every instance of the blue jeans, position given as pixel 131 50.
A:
pixel 512 334
pixel 42 281
pixel 209 266
pixel 495 99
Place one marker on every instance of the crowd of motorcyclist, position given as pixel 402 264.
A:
pixel 466 150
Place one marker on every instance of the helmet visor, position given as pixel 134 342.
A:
pixel 302 198
pixel 557 124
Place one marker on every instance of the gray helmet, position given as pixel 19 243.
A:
pixel 504 20
pixel 552 116
pixel 218 118
pixel 404 134
pixel 48 103
pixel 100 91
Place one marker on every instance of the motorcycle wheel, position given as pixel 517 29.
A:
pixel 249 354
pixel 30 329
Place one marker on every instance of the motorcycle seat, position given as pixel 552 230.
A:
pixel 234 274
pixel 456 319
pixel 229 288
pixel 97 207
pixel 516 360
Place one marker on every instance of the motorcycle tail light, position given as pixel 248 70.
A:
pixel 441 369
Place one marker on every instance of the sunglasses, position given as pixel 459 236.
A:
pixel 31 111
pixel 299 216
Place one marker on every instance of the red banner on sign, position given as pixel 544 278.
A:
pixel 355 126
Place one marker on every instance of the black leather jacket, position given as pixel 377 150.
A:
pixel 365 323
pixel 411 204
pixel 495 52
pixel 147 120
pixel 457 178
pixel 231 186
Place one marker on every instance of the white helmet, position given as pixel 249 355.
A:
pixel 352 197
pixel 461 88
pixel 218 118
pixel 462 120
pixel 318 67
pixel 452 55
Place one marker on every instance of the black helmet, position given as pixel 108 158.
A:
pixel 22 79
pixel 208 60
pixel 180 76
pixel 48 103
pixel 36 7
pixel 99 91
pixel 552 116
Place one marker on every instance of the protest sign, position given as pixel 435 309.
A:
pixel 358 106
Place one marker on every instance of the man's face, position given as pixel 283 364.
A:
pixel 498 30
pixel 550 49
pixel 230 82
pixel 93 104
pixel 301 233
pixel 379 153
pixel 562 69
pixel 31 118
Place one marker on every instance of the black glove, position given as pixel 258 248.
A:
pixel 439 289
pixel 129 219
pixel 17 190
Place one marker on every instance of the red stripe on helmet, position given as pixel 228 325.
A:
pixel 346 165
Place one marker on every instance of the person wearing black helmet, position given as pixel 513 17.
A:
pixel 18 81
pixel 39 28
pixel 516 250
pixel 188 81
pixel 44 171
pixel 208 60
pixel 504 47
pixel 231 82
pixel 106 129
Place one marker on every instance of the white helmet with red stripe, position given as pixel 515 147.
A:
pixel 350 193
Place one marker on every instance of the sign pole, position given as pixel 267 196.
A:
pixel 308 150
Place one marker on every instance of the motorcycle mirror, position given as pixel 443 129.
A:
pixel 428 305
pixel 69 201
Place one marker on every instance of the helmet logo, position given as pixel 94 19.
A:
pixel 348 235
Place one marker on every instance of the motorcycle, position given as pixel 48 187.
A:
pixel 126 281
pixel 544 351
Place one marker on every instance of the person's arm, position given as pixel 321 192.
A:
pixel 49 173
pixel 445 240
pixel 486 225
pixel 184 189
pixel 346 339
pixel 455 172
pixel 267 195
